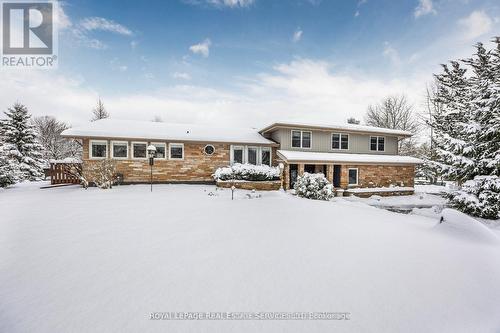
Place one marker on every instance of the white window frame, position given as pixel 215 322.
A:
pixel 231 157
pixel 257 154
pixel 301 138
pixel 175 144
pixel 270 155
pixel 100 142
pixel 160 144
pixel 340 141
pixel 132 150
pixel 113 150
pixel 357 176
pixel 378 137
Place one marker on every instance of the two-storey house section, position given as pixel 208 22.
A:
pixel 349 155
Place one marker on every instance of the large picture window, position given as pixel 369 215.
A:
pixel 377 143
pixel 340 141
pixel 301 139
pixel 176 151
pixel 353 176
pixel 139 149
pixel 119 150
pixel 98 149
pixel 251 155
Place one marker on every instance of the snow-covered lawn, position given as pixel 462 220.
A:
pixel 103 260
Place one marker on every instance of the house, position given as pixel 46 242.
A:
pixel 349 155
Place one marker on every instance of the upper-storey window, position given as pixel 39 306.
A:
pixel 377 143
pixel 301 139
pixel 340 141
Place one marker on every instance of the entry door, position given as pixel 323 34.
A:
pixel 294 170
pixel 336 176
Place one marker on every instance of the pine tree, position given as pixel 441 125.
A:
pixel 17 132
pixel 451 140
pixel 99 112
pixel 9 166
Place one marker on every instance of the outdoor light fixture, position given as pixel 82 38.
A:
pixel 151 154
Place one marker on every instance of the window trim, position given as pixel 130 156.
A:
pixel 270 155
pixel 231 157
pixel 257 154
pixel 301 138
pixel 357 176
pixel 340 141
pixel 376 136
pixel 90 149
pixel 164 144
pixel 113 150
pixel 132 150
pixel 175 144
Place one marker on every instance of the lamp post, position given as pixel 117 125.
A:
pixel 151 154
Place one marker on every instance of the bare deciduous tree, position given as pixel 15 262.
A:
pixel 99 112
pixel 395 112
pixel 48 130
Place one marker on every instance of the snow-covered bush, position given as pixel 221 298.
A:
pixel 247 172
pixel 9 168
pixel 314 186
pixel 479 197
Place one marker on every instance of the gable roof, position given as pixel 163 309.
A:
pixel 148 130
pixel 338 127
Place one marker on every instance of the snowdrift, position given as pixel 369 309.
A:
pixel 462 225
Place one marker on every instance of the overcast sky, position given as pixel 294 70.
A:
pixel 246 62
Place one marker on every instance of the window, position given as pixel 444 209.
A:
pixel 377 143
pixel 209 149
pixel 296 138
pixel 301 139
pixel 353 176
pixel 161 150
pixel 139 149
pixel 119 150
pixel 237 155
pixel 340 141
pixel 98 149
pixel 266 156
pixel 176 151
pixel 252 155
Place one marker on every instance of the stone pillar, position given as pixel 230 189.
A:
pixel 286 176
pixel 344 176
pixel 301 169
pixel 329 172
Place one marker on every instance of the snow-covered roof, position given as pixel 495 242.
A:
pixel 307 156
pixel 148 130
pixel 339 127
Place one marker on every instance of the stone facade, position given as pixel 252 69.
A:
pixel 368 175
pixel 271 185
pixel 196 166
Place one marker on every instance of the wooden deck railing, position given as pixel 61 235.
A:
pixel 60 173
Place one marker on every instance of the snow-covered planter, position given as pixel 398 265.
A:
pixel 247 172
pixel 478 197
pixel 314 186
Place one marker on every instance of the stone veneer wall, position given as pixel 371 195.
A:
pixel 195 167
pixel 380 175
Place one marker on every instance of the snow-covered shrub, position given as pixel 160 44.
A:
pixel 478 197
pixel 247 172
pixel 314 186
pixel 9 168
pixel 102 174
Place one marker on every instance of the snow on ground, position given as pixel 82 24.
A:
pixel 102 260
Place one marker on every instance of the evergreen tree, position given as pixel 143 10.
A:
pixel 17 132
pixel 9 167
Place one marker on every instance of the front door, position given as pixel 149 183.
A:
pixel 336 176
